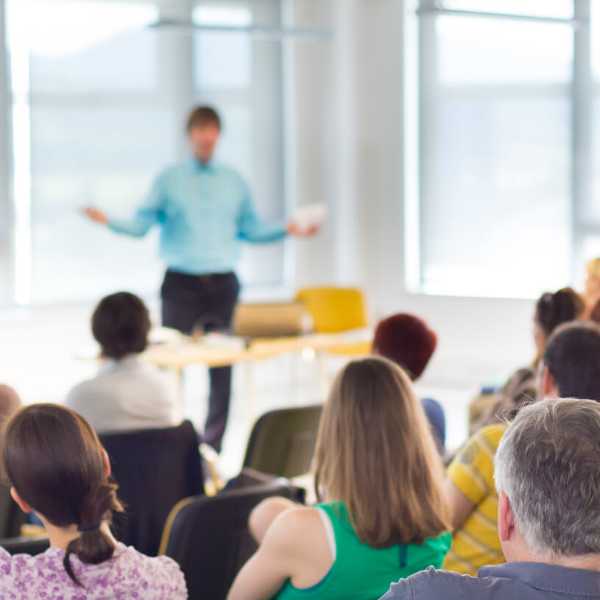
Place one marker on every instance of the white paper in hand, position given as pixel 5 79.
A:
pixel 310 215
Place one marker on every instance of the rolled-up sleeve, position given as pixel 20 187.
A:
pixel 251 228
pixel 147 215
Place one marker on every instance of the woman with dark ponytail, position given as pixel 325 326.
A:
pixel 58 468
pixel 551 310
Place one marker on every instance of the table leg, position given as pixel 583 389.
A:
pixel 250 392
pixel 178 410
pixel 323 378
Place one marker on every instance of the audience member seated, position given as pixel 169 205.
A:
pixel 591 295
pixel 58 468
pixel 551 311
pixel 379 476
pixel 547 470
pixel 570 368
pixel 127 394
pixel 409 342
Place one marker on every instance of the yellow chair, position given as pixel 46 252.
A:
pixel 337 310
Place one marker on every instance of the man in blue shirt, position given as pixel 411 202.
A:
pixel 204 210
pixel 547 472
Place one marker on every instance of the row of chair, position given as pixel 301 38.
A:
pixel 161 483
pixel 207 535
pixel 164 465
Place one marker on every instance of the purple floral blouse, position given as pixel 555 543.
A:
pixel 127 575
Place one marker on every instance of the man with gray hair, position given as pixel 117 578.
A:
pixel 547 476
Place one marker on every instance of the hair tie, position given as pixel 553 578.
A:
pixel 89 528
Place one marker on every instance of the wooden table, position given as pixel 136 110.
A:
pixel 176 356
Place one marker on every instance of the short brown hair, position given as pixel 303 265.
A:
pixel 376 454
pixel 201 116
pixel 55 462
pixel 120 325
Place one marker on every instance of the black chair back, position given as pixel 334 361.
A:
pixel 282 442
pixel 210 540
pixel 11 516
pixel 155 469
pixel 26 545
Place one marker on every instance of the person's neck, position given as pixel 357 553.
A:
pixel 203 160
pixel 587 562
pixel 61 537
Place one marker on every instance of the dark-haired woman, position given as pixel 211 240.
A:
pixel 127 394
pixel 58 468
pixel 551 310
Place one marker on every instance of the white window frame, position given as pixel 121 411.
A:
pixel 419 64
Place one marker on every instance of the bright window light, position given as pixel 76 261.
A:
pixel 557 9
pixel 50 26
pixel 232 16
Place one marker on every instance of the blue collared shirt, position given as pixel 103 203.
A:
pixel 204 211
pixel 512 581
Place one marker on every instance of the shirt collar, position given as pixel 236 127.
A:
pixel 209 167
pixel 546 577
pixel 112 364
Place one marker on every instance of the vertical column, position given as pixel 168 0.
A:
pixel 345 119
pixel 176 55
pixel 315 140
pixel 6 208
pixel 582 117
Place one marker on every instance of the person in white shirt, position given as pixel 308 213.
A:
pixel 127 394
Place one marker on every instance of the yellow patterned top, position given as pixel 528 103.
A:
pixel 477 543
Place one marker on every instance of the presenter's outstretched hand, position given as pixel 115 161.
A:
pixel 302 232
pixel 95 215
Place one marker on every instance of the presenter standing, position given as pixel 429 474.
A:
pixel 203 208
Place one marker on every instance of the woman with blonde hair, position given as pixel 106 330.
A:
pixel 383 514
pixel 592 287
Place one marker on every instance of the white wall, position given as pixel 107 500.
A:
pixel 480 340
pixel 349 149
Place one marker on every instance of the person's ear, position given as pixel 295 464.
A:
pixel 21 503
pixel 506 518
pixel 548 385
pixel 107 470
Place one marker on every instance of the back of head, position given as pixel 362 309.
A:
pixel 572 355
pixel 376 454
pixel 55 462
pixel 555 309
pixel 547 464
pixel 406 340
pixel 120 325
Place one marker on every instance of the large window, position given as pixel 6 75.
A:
pixel 99 98
pixel 501 200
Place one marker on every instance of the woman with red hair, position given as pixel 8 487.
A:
pixel 410 343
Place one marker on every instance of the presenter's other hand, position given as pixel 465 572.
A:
pixel 95 215
pixel 303 232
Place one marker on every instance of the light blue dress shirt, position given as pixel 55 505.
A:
pixel 204 211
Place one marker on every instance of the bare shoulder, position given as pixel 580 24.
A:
pixel 299 520
pixel 296 529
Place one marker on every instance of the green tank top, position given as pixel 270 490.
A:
pixel 360 572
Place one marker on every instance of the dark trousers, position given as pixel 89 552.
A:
pixel 204 302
